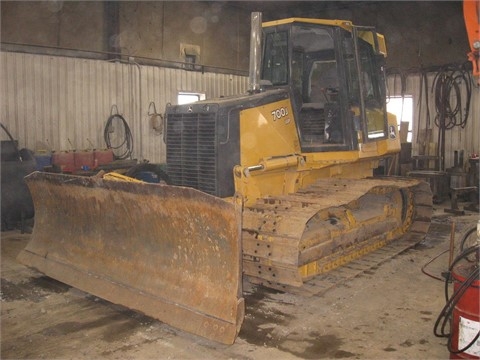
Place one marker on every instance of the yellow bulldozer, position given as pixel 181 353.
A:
pixel 275 186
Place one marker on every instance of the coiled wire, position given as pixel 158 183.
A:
pixel 452 109
pixel 126 144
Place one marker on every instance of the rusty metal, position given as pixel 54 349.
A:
pixel 172 253
pixel 289 239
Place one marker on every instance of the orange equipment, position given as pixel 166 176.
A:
pixel 471 12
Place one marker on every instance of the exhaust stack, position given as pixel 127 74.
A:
pixel 255 52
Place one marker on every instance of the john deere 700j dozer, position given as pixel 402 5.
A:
pixel 275 185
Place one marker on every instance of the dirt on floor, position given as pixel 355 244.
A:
pixel 385 312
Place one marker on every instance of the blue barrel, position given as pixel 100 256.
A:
pixel 43 161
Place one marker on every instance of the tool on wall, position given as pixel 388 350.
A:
pixel 156 119
pixel 452 109
pixel 124 148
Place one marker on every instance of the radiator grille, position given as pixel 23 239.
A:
pixel 191 150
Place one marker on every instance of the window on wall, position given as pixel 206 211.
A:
pixel 189 97
pixel 402 108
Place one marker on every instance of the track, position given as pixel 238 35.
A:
pixel 290 241
pixel 321 283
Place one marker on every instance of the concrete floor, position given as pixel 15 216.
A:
pixel 386 312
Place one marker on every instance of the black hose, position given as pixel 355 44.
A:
pixel 452 109
pixel 424 267
pixel 463 242
pixel 127 140
pixel 465 236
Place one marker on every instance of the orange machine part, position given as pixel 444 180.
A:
pixel 471 11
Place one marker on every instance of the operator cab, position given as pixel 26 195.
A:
pixel 334 74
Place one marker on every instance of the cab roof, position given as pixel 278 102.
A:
pixel 347 25
pixel 344 24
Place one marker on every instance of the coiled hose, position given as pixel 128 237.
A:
pixel 452 109
pixel 126 144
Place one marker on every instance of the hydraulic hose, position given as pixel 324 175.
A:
pixel 452 109
pixel 127 142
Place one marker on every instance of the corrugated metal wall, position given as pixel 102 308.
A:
pixel 64 103
pixel 458 138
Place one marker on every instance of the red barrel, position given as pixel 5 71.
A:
pixel 84 160
pixel 65 160
pixel 466 315
pixel 103 157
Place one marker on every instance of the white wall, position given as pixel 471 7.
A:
pixel 65 102
pixel 458 138
pixel 60 100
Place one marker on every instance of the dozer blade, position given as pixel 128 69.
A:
pixel 172 253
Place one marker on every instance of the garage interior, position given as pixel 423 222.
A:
pixel 87 87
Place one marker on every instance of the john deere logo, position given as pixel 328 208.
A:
pixel 392 132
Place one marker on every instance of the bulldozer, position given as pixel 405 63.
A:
pixel 275 186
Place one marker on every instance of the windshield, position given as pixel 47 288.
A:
pixel 364 82
pixel 275 64
pixel 314 79
pixel 334 82
pixel 307 43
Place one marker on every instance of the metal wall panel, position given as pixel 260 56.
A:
pixel 456 139
pixel 63 103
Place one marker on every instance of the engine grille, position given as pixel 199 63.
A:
pixel 191 150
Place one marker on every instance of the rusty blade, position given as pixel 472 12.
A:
pixel 170 252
